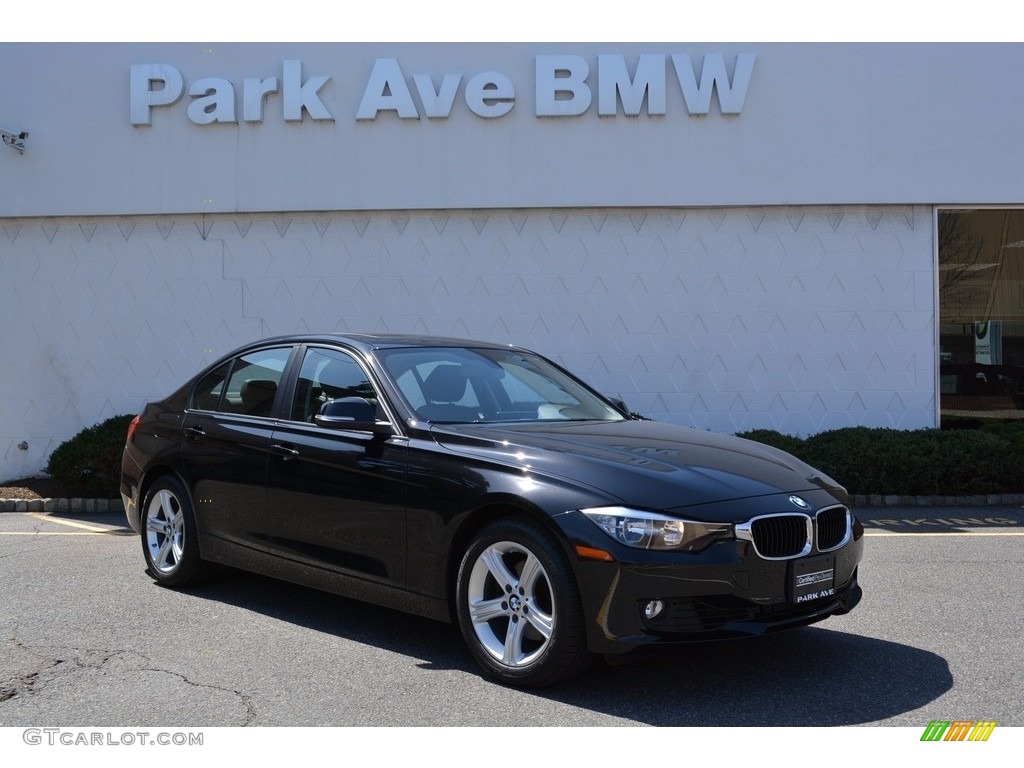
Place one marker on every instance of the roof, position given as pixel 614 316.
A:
pixel 385 340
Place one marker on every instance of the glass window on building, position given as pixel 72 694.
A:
pixel 981 313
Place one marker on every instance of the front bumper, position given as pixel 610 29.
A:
pixel 727 591
pixel 717 617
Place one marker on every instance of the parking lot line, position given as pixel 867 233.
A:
pixel 88 530
pixel 72 523
pixel 884 534
pixel 65 533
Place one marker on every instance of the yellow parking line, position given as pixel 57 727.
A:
pixel 92 530
pixel 66 533
pixel 72 523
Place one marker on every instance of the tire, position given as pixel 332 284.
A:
pixel 518 606
pixel 169 540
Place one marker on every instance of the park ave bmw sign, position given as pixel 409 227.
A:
pixel 565 86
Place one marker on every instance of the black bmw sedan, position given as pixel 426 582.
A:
pixel 483 484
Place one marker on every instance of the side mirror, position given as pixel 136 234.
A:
pixel 619 403
pixel 354 413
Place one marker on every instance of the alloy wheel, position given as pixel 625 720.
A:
pixel 165 531
pixel 511 604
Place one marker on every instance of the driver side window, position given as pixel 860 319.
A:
pixel 327 374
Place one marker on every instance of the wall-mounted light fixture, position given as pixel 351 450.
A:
pixel 14 139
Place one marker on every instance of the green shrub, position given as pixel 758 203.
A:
pixel 787 443
pixel 926 462
pixel 860 458
pixel 89 464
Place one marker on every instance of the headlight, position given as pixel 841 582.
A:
pixel 651 530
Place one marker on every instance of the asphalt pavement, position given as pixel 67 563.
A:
pixel 90 639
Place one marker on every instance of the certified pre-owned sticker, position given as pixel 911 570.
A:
pixel 813 579
pixel 807 579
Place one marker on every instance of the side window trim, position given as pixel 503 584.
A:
pixel 295 370
pixel 193 395
pixel 232 366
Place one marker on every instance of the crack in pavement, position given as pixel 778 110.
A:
pixel 9 690
pixel 49 668
pixel 27 681
pixel 247 700
pixel 14 552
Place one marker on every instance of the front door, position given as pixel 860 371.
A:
pixel 336 499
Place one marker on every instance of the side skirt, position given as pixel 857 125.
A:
pixel 265 564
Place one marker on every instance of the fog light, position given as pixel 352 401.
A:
pixel 653 609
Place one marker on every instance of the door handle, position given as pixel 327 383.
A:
pixel 194 432
pixel 283 451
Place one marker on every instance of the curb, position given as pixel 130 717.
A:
pixel 978 500
pixel 61 505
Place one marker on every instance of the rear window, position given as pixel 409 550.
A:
pixel 250 388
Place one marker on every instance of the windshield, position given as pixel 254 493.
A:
pixel 455 385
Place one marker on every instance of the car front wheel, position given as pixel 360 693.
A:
pixel 169 535
pixel 519 607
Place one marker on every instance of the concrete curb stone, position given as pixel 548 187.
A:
pixel 76 505
pixel 978 500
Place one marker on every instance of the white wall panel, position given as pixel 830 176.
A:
pixel 821 124
pixel 802 319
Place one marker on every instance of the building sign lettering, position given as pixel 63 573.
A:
pixel 565 85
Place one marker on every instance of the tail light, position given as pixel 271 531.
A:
pixel 131 429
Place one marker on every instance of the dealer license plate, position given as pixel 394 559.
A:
pixel 813 579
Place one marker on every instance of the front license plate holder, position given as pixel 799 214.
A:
pixel 813 579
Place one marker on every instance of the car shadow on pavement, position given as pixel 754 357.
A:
pixel 804 677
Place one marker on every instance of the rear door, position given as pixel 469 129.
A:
pixel 227 431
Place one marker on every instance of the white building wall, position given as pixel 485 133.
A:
pixel 800 319
pixel 835 124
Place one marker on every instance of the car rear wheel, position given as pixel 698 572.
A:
pixel 519 606
pixel 169 535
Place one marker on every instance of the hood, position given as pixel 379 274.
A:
pixel 642 463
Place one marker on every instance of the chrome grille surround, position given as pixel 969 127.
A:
pixel 833 527
pixel 787 535
pixel 780 536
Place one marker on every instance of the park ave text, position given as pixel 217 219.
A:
pixel 565 85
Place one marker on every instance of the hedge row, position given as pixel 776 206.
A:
pixel 988 458
pixel 924 462
pixel 89 464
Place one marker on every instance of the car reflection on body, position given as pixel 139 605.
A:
pixel 483 484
